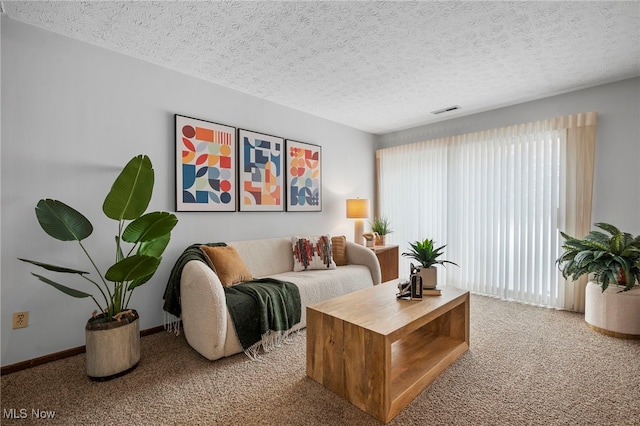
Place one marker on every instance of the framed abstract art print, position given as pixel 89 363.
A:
pixel 304 177
pixel 260 171
pixel 205 166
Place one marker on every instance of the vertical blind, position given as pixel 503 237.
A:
pixel 494 198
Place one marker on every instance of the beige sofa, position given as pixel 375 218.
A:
pixel 205 319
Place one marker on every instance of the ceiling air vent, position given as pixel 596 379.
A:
pixel 451 108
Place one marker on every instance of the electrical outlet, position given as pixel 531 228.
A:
pixel 20 319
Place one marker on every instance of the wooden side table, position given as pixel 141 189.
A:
pixel 388 259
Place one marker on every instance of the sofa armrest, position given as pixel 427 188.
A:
pixel 361 255
pixel 204 309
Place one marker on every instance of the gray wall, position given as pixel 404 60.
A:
pixel 616 197
pixel 72 115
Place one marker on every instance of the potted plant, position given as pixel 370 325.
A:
pixel 611 260
pixel 113 333
pixel 427 256
pixel 380 226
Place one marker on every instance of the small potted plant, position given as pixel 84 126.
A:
pixel 427 257
pixel 112 334
pixel 611 260
pixel 380 226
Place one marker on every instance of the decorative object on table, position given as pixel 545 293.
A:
pixel 358 209
pixel 113 333
pixel 611 260
pixel 261 171
pixel 205 166
pixel 404 290
pixel 425 253
pixel 304 177
pixel 380 226
pixel 369 238
pixel 412 289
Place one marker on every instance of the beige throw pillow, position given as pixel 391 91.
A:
pixel 228 264
pixel 339 248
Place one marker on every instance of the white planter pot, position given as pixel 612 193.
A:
pixel 429 277
pixel 613 312
pixel 113 348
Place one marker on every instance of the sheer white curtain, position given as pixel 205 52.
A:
pixel 412 183
pixel 503 207
pixel 497 200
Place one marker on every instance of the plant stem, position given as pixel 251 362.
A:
pixel 106 299
pixel 99 273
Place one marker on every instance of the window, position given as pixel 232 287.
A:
pixel 497 200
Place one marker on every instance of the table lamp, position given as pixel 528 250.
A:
pixel 358 209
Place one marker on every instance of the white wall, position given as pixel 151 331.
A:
pixel 616 197
pixel 72 115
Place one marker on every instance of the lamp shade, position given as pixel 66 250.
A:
pixel 357 208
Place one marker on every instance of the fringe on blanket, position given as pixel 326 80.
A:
pixel 269 341
pixel 171 323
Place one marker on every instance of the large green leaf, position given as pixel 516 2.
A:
pixel 155 247
pixel 54 267
pixel 149 227
pixel 139 281
pixel 62 222
pixel 131 192
pixel 608 227
pixel 132 268
pixel 63 288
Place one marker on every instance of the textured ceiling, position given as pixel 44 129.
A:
pixel 375 66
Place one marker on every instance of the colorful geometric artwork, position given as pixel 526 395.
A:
pixel 205 165
pixel 261 165
pixel 304 177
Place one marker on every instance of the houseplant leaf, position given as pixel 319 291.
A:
pixel 149 227
pixel 54 268
pixel 63 288
pixel 155 247
pixel 613 230
pixel 131 192
pixel 62 222
pixel 132 267
pixel 139 281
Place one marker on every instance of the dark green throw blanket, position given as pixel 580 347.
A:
pixel 256 307
pixel 172 290
pixel 262 305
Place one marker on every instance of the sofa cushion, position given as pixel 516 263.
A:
pixel 339 249
pixel 228 265
pixel 265 257
pixel 312 253
pixel 320 285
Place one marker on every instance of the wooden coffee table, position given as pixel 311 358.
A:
pixel 379 352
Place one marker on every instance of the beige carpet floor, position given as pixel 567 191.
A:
pixel 526 366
